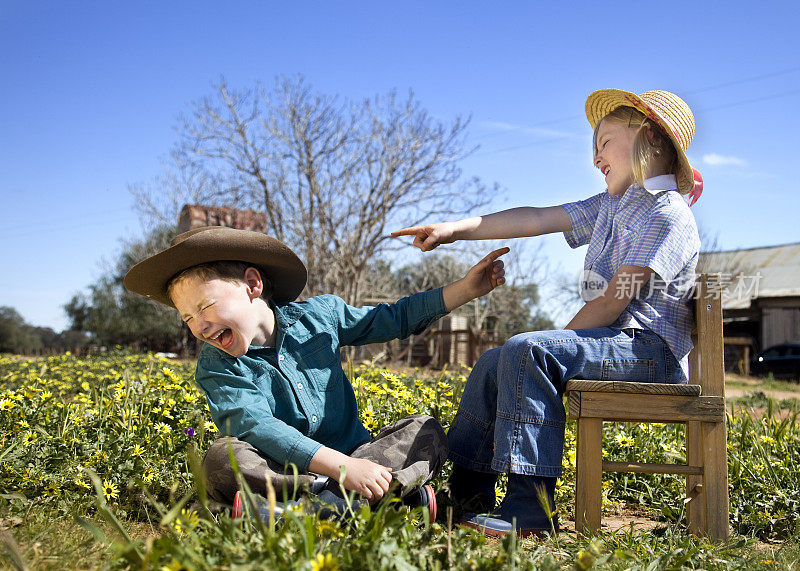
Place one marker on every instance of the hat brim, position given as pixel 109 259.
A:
pixel 278 262
pixel 603 101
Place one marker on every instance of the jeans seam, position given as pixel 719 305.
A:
pixel 538 420
pixel 475 420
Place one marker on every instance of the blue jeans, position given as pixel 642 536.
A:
pixel 511 416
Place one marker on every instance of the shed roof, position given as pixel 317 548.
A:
pixel 770 271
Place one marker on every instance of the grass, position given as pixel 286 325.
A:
pixel 98 463
pixel 768 383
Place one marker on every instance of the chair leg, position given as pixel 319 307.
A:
pixel 696 508
pixel 589 474
pixel 715 479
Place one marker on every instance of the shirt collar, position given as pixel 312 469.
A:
pixel 285 316
pixel 660 183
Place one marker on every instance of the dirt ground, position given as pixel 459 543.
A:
pixel 737 386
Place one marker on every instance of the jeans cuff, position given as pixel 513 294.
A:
pixel 470 464
pixel 527 469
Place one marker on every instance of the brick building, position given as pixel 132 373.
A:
pixel 196 216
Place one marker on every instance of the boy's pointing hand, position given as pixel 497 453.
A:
pixel 482 278
pixel 488 273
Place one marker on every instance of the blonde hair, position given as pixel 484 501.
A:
pixel 230 271
pixel 650 144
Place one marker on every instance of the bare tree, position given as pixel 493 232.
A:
pixel 333 177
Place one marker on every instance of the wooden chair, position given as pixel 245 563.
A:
pixel 700 405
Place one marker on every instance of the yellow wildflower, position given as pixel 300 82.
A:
pixel 324 562
pixel 109 490
pixel 187 521
pixel 624 440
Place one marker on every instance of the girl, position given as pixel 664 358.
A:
pixel 635 326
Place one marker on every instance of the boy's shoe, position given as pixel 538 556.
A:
pixel 328 503
pixel 262 507
pixel 422 497
pixel 238 506
pixel 522 505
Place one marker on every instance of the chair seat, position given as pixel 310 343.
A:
pixel 640 388
pixel 641 402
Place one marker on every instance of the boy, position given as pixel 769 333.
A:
pixel 271 369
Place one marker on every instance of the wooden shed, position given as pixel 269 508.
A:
pixel 761 299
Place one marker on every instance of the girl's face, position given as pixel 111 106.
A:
pixel 613 154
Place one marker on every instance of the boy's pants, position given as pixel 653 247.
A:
pixel 414 447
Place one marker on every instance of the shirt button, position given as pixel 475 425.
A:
pixel 314 418
pixel 280 357
pixel 300 386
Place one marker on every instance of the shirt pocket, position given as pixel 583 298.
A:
pixel 319 362
pixel 624 244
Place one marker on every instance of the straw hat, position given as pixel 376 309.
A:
pixel 215 244
pixel 666 109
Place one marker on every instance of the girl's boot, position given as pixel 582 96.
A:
pixel 529 504
pixel 468 491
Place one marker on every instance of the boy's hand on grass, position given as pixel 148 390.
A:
pixel 367 478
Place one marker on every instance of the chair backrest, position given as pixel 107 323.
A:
pixel 706 365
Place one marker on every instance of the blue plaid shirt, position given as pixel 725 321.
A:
pixel 645 228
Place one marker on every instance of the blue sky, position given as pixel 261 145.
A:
pixel 91 93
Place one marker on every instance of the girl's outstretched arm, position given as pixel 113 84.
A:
pixel 512 223
pixel 603 310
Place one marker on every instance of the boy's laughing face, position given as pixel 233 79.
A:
pixel 226 314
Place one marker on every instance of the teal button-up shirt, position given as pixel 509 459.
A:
pixel 291 399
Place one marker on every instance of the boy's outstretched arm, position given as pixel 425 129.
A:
pixel 512 223
pixel 362 476
pixel 482 278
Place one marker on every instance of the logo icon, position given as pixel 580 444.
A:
pixel 591 285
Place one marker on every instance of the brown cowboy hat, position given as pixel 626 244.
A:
pixel 276 261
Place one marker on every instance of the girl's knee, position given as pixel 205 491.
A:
pixel 521 344
pixel 488 360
